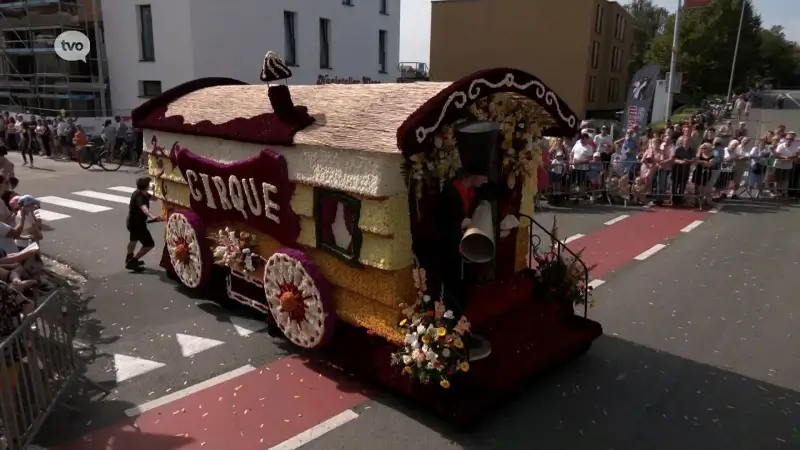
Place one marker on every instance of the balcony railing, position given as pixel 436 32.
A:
pixel 22 4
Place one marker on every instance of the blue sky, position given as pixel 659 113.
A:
pixel 415 23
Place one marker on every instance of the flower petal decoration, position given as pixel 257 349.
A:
pixel 300 298
pixel 188 253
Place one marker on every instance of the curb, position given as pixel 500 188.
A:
pixel 72 266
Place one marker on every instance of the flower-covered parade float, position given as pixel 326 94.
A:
pixel 321 206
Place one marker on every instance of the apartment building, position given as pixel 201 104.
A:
pixel 579 48
pixel 154 45
pixel 32 77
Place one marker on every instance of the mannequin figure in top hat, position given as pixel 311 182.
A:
pixel 457 202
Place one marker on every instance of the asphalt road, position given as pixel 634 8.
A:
pixel 701 348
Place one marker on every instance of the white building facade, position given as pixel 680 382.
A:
pixel 154 45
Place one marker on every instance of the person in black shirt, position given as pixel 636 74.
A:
pixel 138 216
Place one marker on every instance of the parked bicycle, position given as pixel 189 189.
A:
pixel 98 153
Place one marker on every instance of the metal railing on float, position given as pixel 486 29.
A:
pixel 557 250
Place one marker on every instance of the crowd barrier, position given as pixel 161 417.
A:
pixel 40 365
pixel 690 184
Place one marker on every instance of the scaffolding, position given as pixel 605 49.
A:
pixel 33 78
pixel 412 72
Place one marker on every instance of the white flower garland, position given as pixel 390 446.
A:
pixel 286 281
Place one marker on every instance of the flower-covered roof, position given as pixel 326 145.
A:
pixel 355 117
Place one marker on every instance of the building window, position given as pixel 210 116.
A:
pixel 337 229
pixel 595 54
pixel 147 48
pixel 598 19
pixel 613 90
pixel 619 28
pixel 347 2
pixel 324 43
pixel 383 37
pixel 616 59
pixel 149 88
pixel 592 83
pixel 290 35
pixel 385 7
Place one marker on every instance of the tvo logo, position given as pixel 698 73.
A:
pixel 72 46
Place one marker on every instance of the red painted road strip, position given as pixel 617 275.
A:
pixel 616 245
pixel 257 410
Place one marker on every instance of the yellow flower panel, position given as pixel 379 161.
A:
pixel 522 249
pixel 381 252
pixel 170 173
pixel 176 193
pixel 375 317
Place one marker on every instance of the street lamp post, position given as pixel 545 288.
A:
pixel 673 62
pixel 736 51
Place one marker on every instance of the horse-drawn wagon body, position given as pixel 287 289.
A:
pixel 320 203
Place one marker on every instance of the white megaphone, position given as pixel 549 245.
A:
pixel 477 244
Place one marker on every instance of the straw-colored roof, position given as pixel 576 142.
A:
pixel 355 116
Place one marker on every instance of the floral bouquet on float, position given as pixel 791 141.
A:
pixel 236 250
pixel 561 276
pixel 433 350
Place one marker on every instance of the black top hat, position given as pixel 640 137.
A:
pixel 477 141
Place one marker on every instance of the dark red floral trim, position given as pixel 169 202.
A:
pixel 428 114
pixel 273 128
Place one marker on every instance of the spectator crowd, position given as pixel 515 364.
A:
pixel 683 164
pixel 62 137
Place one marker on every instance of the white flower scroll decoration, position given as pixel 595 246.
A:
pixel 459 99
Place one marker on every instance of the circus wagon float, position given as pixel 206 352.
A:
pixel 318 206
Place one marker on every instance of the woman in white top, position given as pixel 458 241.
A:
pixel 785 155
pixel 758 166
pixel 736 158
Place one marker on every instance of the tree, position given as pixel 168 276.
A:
pixel 706 45
pixel 648 22
pixel 780 58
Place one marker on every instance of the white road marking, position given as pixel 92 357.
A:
pixel 316 431
pixel 127 189
pixel 192 345
pixel 177 395
pixel 245 327
pixel 128 367
pixel 594 284
pixel 692 226
pixel 617 219
pixel 72 204
pixel 572 238
pixel 648 253
pixel 49 216
pixel 104 196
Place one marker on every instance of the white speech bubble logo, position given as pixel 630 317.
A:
pixel 72 46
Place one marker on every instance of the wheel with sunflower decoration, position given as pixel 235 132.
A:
pixel 299 298
pixel 189 256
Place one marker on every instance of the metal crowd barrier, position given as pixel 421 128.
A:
pixel 40 364
pixel 693 185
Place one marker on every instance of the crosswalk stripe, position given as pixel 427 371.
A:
pixel 67 203
pixel 125 189
pixel 103 196
pixel 49 216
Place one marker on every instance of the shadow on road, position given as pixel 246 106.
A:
pixel 620 396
